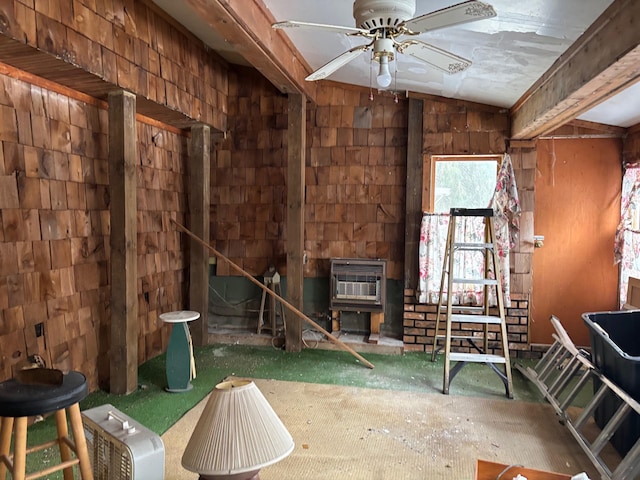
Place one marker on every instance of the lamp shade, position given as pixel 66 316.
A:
pixel 237 434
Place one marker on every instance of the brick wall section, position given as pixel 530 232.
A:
pixel 457 128
pixel 419 321
pixel 128 44
pixel 355 177
pixel 54 231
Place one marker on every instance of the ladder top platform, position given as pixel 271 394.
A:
pixel 471 212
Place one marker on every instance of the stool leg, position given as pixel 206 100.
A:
pixel 5 443
pixel 86 473
pixel 63 432
pixel 20 449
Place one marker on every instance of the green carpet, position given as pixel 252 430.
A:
pixel 158 410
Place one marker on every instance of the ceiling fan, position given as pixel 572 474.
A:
pixel 383 21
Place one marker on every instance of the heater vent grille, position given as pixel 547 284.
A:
pixel 358 284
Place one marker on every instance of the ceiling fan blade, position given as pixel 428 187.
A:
pixel 320 26
pixel 333 65
pixel 455 15
pixel 434 56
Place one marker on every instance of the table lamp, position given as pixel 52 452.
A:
pixel 237 434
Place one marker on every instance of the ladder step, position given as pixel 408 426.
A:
pixel 473 246
pixel 476 357
pixel 460 337
pixel 464 308
pixel 476 281
pixel 483 319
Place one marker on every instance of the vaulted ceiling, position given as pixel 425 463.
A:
pixel 549 62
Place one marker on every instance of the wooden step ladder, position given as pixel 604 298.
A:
pixel 276 308
pixel 478 314
pixel 561 375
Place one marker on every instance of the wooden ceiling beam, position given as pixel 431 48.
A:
pixel 246 25
pixel 584 129
pixel 602 62
pixel 633 129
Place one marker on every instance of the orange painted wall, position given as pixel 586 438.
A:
pixel 577 207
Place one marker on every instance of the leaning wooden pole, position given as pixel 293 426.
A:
pixel 342 345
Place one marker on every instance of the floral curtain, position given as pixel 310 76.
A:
pixel 626 248
pixel 433 238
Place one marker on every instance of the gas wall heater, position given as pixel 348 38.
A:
pixel 120 448
pixel 358 285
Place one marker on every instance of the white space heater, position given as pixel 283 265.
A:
pixel 120 448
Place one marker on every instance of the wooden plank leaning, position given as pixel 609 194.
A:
pixel 250 277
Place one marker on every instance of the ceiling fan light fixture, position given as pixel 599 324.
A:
pixel 384 76
pixel 383 54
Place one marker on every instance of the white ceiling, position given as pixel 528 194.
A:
pixel 509 52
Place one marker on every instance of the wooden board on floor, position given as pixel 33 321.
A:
pixel 490 471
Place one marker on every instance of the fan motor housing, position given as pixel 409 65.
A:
pixel 375 14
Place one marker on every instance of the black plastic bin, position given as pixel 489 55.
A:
pixel 615 351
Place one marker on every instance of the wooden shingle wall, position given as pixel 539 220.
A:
pixel 248 191
pixel 55 227
pixel 54 185
pixel 162 256
pixel 54 235
pixel 122 43
pixel 355 175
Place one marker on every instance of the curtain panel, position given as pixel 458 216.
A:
pixel 433 238
pixel 626 249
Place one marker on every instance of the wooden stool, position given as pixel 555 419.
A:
pixel 19 401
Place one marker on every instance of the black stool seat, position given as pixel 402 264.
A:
pixel 20 400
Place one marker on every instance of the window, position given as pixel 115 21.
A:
pixel 466 182
pixel 460 181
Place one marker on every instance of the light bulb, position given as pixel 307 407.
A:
pixel 384 77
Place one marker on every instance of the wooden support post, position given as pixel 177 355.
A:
pixel 335 321
pixel 124 272
pixel 295 218
pixel 413 211
pixel 199 168
pixel 376 319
